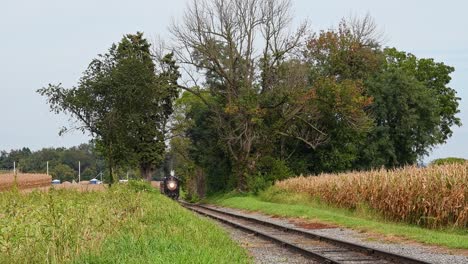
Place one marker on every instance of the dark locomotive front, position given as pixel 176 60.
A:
pixel 170 186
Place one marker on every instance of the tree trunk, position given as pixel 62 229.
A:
pixel 195 185
pixel 111 174
pixel 241 181
pixel 111 166
pixel 245 168
pixel 146 171
pixel 201 183
pixel 241 172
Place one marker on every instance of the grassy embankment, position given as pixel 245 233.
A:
pixel 123 224
pixel 426 205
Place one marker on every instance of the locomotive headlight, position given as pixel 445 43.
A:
pixel 171 185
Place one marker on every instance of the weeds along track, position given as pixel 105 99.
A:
pixel 320 248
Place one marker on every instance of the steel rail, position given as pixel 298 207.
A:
pixel 283 243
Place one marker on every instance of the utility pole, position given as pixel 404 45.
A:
pixel 47 168
pixel 79 171
pixel 15 175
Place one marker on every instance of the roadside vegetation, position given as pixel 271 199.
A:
pixel 123 224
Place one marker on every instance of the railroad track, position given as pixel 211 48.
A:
pixel 320 248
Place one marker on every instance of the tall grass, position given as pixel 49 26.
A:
pixel 436 196
pixel 123 224
pixel 55 226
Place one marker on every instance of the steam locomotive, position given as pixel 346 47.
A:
pixel 169 186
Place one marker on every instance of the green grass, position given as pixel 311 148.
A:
pixel 279 203
pixel 124 224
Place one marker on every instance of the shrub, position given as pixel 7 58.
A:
pixel 449 160
pixel 269 170
pixel 140 186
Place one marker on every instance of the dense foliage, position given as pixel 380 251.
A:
pixel 449 160
pixel 123 100
pixel 301 104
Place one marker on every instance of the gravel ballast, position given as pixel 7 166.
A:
pixel 264 251
pixel 417 251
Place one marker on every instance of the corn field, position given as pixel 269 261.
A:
pixel 433 197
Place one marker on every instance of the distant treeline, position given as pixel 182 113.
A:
pixel 63 162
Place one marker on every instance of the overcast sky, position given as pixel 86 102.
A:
pixel 52 41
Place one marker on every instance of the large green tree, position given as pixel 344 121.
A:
pixel 405 120
pixel 260 86
pixel 338 61
pixel 149 92
pixel 435 76
pixel 123 100
pixel 414 110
